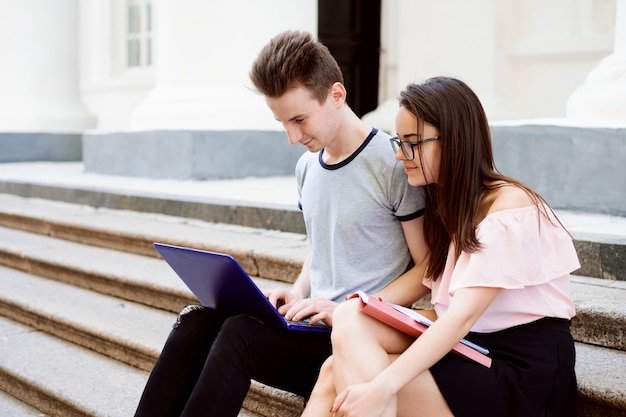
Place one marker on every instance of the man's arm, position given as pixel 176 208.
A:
pixel 301 306
pixel 404 290
pixel 301 288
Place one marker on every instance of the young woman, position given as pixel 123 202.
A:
pixel 498 270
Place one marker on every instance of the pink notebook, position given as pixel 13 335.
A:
pixel 412 323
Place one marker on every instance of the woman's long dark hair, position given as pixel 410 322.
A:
pixel 467 167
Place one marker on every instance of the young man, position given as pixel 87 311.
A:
pixel 364 228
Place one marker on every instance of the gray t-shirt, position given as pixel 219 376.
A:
pixel 352 212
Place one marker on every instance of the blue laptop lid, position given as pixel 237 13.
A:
pixel 219 282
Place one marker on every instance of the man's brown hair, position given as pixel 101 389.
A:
pixel 293 59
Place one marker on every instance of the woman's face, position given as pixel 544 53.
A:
pixel 424 168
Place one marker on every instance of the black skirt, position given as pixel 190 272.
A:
pixel 532 374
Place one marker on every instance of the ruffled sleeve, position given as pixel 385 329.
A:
pixel 520 247
pixel 524 253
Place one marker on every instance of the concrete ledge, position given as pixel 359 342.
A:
pixel 210 210
pixel 601 384
pixel 181 154
pixel 600 312
pixel 272 402
pixel 35 146
pixel 601 256
pixel 574 168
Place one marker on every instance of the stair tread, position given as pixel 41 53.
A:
pixel 12 407
pixel 590 294
pixel 57 366
pixel 594 297
pixel 54 365
pixel 142 270
pixel 602 372
pixel 90 382
pixel 79 378
pixel 107 317
pixel 154 227
pixel 139 325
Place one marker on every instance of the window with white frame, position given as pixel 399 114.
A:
pixel 139 33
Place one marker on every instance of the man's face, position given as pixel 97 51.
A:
pixel 305 120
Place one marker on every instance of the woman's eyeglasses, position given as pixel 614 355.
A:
pixel 407 146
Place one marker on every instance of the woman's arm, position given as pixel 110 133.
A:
pixel 374 397
pixel 467 306
pixel 408 288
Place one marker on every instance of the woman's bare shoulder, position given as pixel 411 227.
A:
pixel 507 196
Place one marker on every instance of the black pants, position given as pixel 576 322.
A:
pixel 208 361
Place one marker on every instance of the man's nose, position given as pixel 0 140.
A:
pixel 294 135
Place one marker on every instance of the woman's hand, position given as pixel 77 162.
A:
pixel 362 400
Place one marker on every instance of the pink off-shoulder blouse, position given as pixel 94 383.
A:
pixel 527 255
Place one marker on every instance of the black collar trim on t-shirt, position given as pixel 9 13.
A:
pixel 351 157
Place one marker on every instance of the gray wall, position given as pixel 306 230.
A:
pixel 574 168
pixel 191 154
pixel 33 146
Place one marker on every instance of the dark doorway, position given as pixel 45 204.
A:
pixel 351 31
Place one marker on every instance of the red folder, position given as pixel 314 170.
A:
pixel 394 317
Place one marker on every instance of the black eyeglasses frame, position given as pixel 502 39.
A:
pixel 408 146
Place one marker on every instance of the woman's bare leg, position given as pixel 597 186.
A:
pixel 363 347
pixel 421 398
pixel 323 394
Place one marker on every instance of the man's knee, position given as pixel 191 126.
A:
pixel 195 323
pixel 188 313
pixel 241 328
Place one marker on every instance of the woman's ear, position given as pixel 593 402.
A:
pixel 338 94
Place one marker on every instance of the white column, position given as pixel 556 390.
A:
pixel 204 53
pixel 39 89
pixel 602 98
pixel 415 47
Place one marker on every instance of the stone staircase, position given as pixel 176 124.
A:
pixel 86 305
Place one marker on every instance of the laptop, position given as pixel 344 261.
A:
pixel 219 282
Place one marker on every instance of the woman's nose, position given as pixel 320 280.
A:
pixel 400 155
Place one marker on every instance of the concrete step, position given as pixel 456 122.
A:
pixel 601 377
pixel 55 241
pixel 600 240
pixel 62 379
pixel 267 253
pixel 133 334
pixel 125 331
pixel 150 281
pixel 600 312
pixel 121 331
pixel 12 407
pixel 143 279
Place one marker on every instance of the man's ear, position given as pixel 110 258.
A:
pixel 338 94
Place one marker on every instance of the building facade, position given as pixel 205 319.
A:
pixel 160 88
